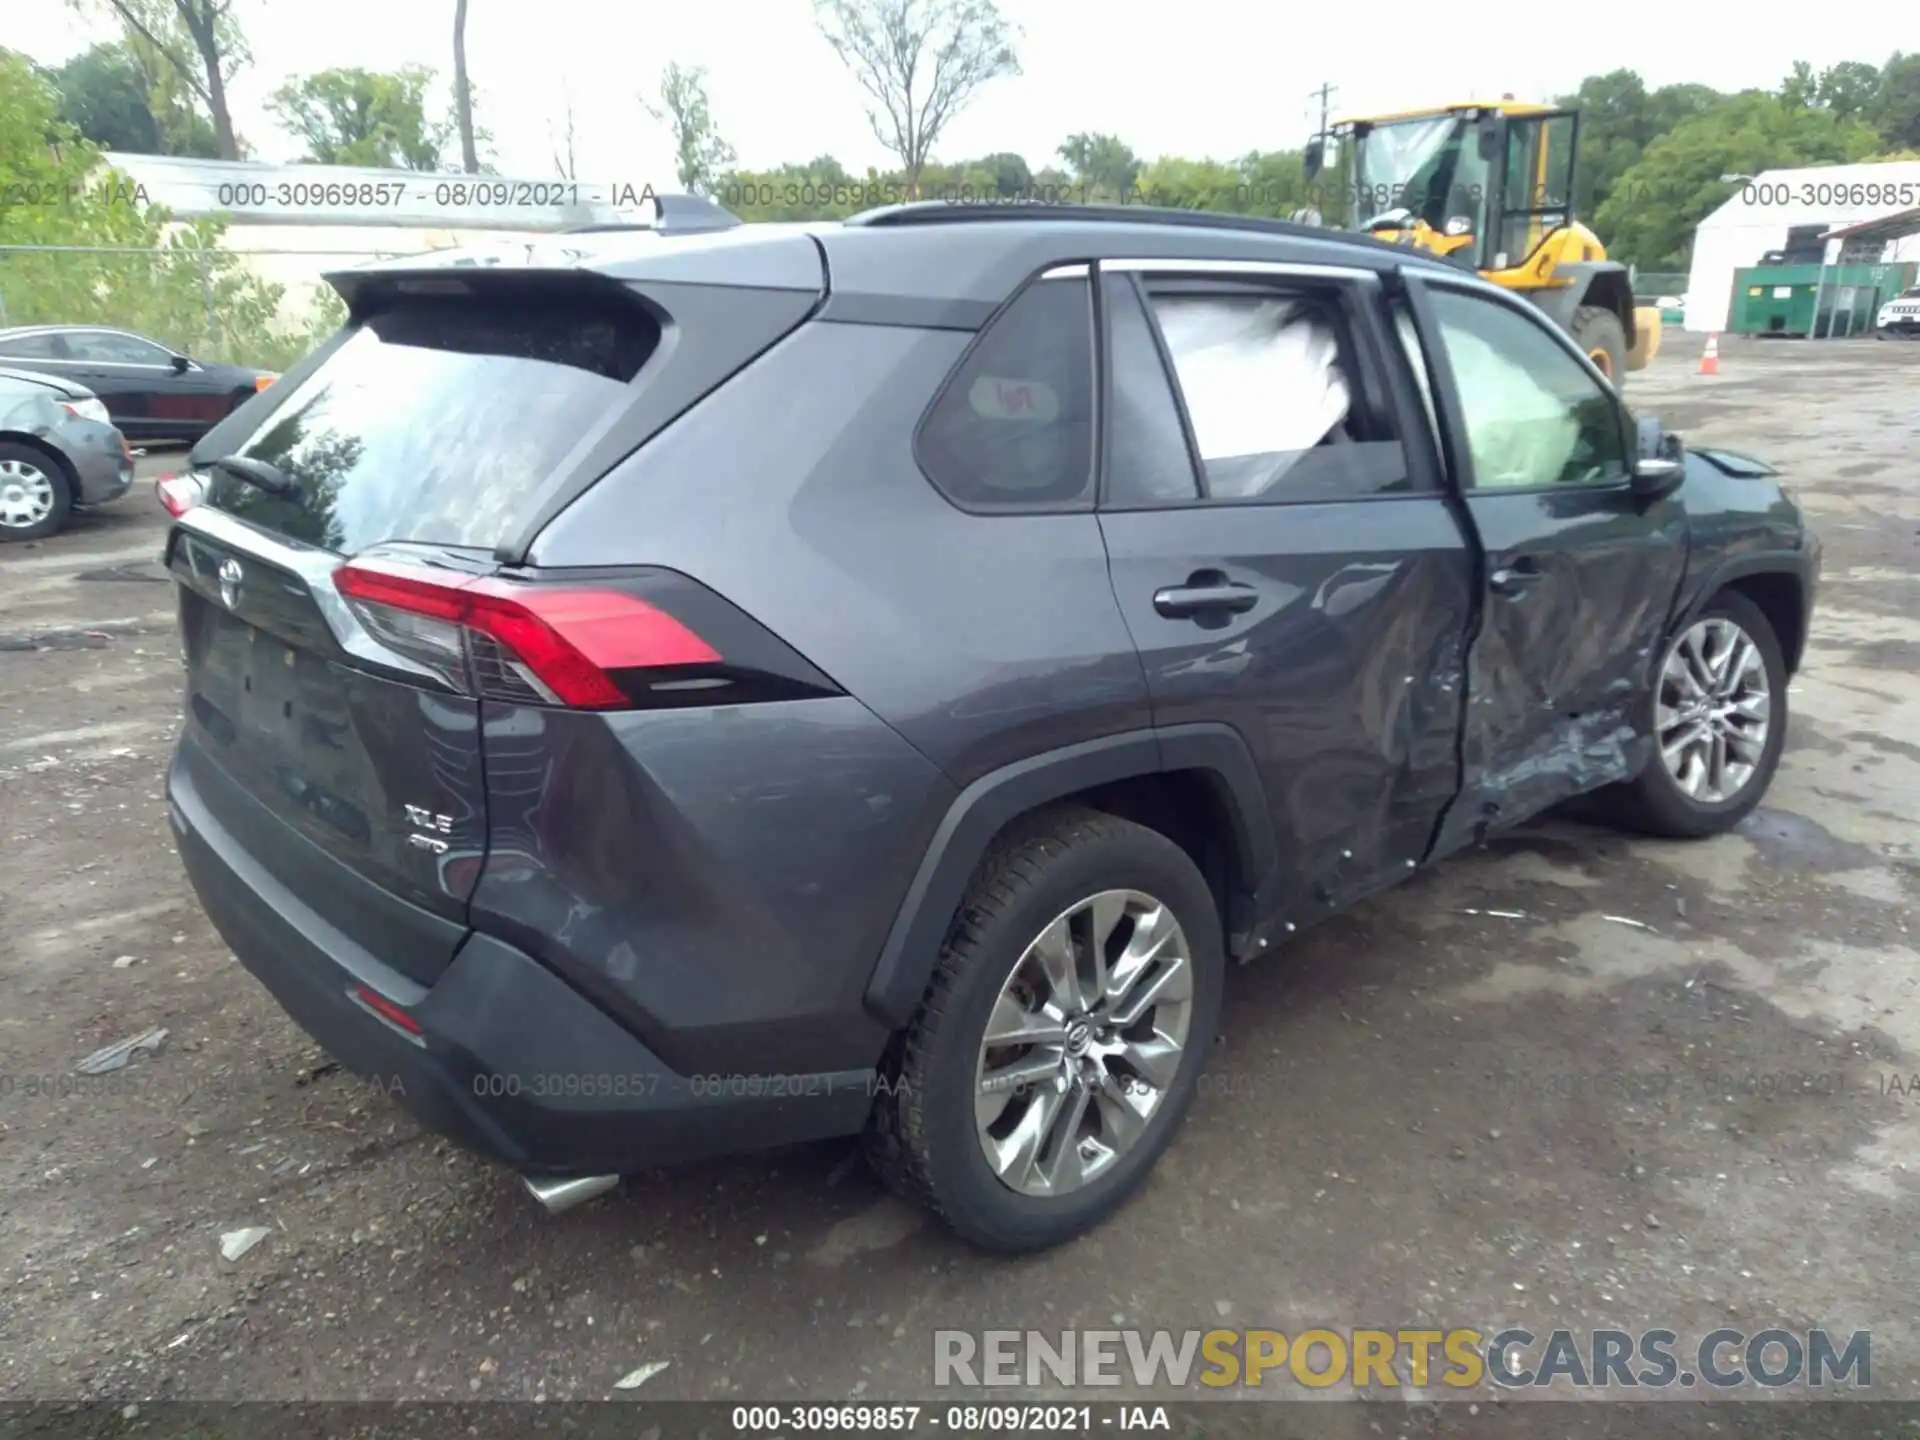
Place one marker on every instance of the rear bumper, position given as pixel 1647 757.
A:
pixel 513 1063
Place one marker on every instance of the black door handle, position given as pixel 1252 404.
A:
pixel 1513 579
pixel 1184 602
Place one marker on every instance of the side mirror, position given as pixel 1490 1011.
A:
pixel 1315 158
pixel 1661 464
pixel 180 364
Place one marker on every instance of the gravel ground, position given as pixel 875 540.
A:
pixel 1408 1119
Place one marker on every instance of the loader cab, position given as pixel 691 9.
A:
pixel 1484 185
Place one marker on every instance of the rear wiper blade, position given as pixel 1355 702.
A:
pixel 258 473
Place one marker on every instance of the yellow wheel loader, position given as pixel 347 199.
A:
pixel 1489 186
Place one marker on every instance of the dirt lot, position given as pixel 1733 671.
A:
pixel 1401 1123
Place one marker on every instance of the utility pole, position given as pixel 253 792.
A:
pixel 1325 95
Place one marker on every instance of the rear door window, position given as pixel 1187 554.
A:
pixel 1275 395
pixel 438 417
pixel 1013 428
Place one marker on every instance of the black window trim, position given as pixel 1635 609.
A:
pixel 1361 291
pixel 1082 270
pixel 1197 468
pixel 1539 318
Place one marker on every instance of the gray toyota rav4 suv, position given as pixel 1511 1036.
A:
pixel 665 694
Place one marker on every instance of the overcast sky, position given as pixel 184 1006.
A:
pixel 1197 78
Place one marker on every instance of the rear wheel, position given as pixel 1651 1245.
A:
pixel 35 497
pixel 1062 1038
pixel 1598 331
pixel 1719 720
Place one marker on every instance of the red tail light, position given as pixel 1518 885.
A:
pixel 520 642
pixel 179 493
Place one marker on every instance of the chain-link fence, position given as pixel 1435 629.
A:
pixel 1652 284
pixel 259 308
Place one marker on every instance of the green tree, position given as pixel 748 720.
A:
pixel 699 152
pixel 364 117
pixel 159 278
pixel 1104 164
pixel 1613 131
pixel 200 41
pixel 1650 217
pixel 1011 175
pixel 1848 89
pixel 920 62
pixel 1896 103
pixel 104 96
pixel 1801 87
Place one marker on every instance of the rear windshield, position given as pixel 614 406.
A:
pixel 437 417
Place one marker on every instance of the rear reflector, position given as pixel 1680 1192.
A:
pixel 179 493
pixel 395 1015
pixel 558 642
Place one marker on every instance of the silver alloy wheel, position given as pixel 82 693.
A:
pixel 26 495
pixel 1085 1039
pixel 1713 711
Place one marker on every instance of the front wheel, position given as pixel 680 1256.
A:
pixel 1598 331
pixel 35 498
pixel 1061 1041
pixel 1719 721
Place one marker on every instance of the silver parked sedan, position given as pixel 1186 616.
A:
pixel 58 451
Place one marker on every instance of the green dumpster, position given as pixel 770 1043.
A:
pixel 1801 300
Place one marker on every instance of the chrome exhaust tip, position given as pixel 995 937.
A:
pixel 558 1195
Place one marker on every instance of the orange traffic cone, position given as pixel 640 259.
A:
pixel 1710 358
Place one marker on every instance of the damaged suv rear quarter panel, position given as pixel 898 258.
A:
pixel 772 493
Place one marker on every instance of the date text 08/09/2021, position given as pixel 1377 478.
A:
pixel 1040 1419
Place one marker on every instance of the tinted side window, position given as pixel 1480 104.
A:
pixel 1148 462
pixel 34 347
pixel 1277 403
pixel 103 347
pixel 1013 428
pixel 1535 416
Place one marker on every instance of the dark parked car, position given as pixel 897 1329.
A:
pixel 741 688
pixel 58 451
pixel 150 391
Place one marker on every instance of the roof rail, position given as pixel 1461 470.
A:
pixel 943 212
pixel 669 215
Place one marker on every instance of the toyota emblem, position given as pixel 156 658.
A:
pixel 230 576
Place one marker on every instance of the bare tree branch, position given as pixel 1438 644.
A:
pixel 563 143
pixel 920 61
pixel 215 34
pixel 700 154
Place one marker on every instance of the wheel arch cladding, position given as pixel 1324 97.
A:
pixel 1781 598
pixel 1190 778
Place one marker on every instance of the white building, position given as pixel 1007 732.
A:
pixel 1763 215
pixel 297 222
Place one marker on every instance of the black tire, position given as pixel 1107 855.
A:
pixel 1598 331
pixel 55 474
pixel 922 1140
pixel 1654 803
